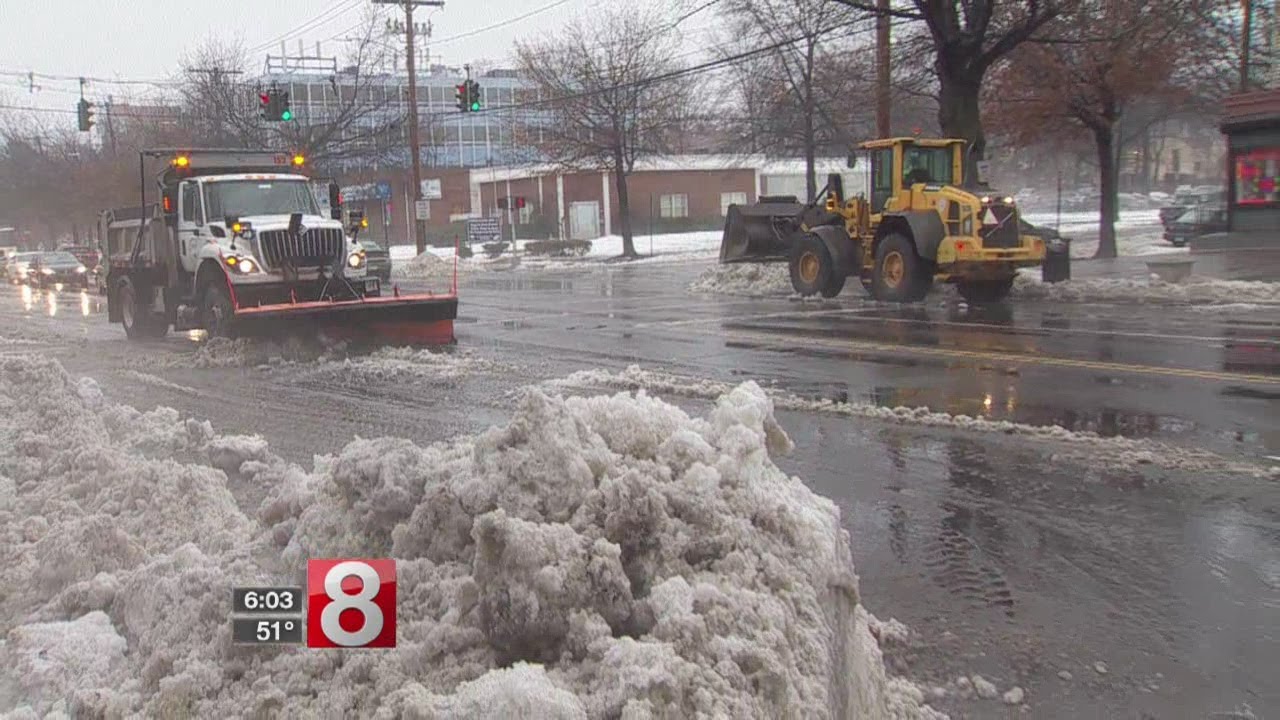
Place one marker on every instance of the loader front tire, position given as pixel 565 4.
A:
pixel 812 269
pixel 217 314
pixel 900 275
pixel 979 292
pixel 139 320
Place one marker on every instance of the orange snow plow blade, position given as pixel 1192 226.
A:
pixel 418 319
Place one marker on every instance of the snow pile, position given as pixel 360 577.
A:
pixel 410 363
pixel 750 279
pixel 1194 291
pixel 596 558
pixel 1098 449
pixel 427 266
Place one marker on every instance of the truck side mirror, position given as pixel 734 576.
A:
pixel 335 201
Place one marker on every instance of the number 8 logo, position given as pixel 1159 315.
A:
pixel 370 614
pixel 374 601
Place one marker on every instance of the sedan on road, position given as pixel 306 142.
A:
pixel 19 266
pixel 53 268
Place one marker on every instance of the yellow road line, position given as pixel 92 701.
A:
pixel 793 341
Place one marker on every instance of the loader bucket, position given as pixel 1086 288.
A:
pixel 760 232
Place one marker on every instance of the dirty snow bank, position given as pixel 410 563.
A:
pixel 409 363
pixel 750 279
pixel 1127 451
pixel 596 557
pixel 1194 291
pixel 427 266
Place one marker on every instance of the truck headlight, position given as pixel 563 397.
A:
pixel 355 260
pixel 82 269
pixel 46 271
pixel 247 265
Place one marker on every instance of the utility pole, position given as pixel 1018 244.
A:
pixel 418 240
pixel 882 69
pixel 1246 40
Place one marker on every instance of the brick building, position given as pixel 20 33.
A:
pixel 668 194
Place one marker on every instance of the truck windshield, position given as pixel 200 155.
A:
pixel 926 165
pixel 244 198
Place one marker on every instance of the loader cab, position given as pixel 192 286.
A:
pixel 897 164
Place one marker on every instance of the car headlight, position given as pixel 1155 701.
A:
pixel 355 260
pixel 82 269
pixel 46 271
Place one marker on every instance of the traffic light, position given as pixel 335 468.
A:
pixel 460 97
pixel 473 96
pixel 274 106
pixel 84 114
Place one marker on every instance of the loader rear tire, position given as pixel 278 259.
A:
pixel 812 269
pixel 217 314
pixel 140 321
pixel 979 292
pixel 900 275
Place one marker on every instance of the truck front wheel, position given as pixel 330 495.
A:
pixel 217 314
pixel 977 292
pixel 900 275
pixel 139 320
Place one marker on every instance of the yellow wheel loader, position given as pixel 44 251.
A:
pixel 920 225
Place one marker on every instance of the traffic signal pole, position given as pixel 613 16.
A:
pixel 419 241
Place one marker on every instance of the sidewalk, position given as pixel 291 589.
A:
pixel 1263 265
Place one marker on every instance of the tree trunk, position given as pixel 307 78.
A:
pixel 624 207
pixel 1104 138
pixel 959 116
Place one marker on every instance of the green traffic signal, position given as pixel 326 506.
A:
pixel 287 115
pixel 475 105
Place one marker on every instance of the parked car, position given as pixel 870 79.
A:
pixel 58 267
pixel 378 260
pixel 1194 222
pixel 18 267
pixel 1187 199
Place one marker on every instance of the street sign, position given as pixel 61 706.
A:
pixel 422 209
pixel 383 190
pixel 431 189
pixel 483 230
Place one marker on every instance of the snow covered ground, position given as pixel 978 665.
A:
pixel 668 248
pixel 596 557
pixel 1197 291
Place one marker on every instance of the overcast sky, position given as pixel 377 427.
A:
pixel 144 39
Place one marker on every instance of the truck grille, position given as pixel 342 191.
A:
pixel 312 248
pixel 1004 233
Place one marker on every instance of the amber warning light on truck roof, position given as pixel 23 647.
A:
pixel 299 160
pixel 182 161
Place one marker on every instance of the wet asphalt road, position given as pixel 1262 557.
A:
pixel 1006 561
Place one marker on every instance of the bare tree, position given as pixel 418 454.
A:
pixel 611 94
pixel 786 94
pixel 358 119
pixel 1091 84
pixel 969 38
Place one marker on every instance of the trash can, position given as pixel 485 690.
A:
pixel 1057 260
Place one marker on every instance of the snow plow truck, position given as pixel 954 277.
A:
pixel 236 241
pixel 922 224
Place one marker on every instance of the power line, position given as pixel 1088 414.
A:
pixel 502 23
pixel 322 19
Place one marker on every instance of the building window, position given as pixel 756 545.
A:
pixel 731 198
pixel 1257 174
pixel 675 206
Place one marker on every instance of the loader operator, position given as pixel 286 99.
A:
pixel 918 174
